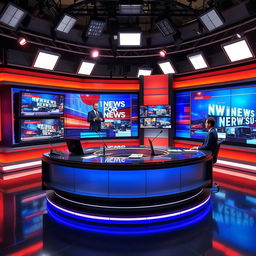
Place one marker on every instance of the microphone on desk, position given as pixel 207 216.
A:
pixel 153 153
pixel 104 144
pixel 53 152
pixel 157 135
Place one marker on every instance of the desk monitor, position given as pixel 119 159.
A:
pixel 75 146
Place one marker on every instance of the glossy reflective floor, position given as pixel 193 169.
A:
pixel 227 227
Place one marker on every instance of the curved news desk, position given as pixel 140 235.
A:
pixel 117 189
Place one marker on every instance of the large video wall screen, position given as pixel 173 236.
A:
pixel 40 114
pixel 234 109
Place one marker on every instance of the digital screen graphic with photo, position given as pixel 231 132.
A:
pixel 41 104
pixel 155 116
pixel 41 129
pixel 120 113
pixel 119 110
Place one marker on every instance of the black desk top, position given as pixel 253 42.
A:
pixel 118 158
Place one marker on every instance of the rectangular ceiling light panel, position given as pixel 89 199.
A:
pixel 130 39
pixel 198 61
pixel 167 67
pixel 130 8
pixel 12 16
pixel 165 27
pixel 211 20
pixel 86 68
pixel 66 24
pixel 46 60
pixel 239 50
pixel 144 72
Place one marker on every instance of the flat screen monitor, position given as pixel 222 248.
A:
pixel 35 104
pixel 163 122
pixel 155 122
pixel 41 129
pixel 148 122
pixel 155 111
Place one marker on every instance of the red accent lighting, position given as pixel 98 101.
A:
pixel 95 53
pixel 162 53
pixel 22 41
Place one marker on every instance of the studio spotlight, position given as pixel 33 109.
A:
pixel 197 60
pixel 95 28
pixel 95 53
pixel 144 71
pixel 66 24
pixel 238 35
pixel 12 15
pixel 238 50
pixel 165 27
pixel 22 41
pixel 212 19
pixel 162 53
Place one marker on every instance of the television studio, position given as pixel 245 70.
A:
pixel 128 127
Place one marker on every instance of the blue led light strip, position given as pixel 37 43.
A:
pixel 128 220
pixel 131 230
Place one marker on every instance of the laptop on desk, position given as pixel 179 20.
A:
pixel 75 146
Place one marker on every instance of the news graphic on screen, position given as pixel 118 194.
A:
pixel 233 108
pixel 41 129
pixel 101 115
pixel 155 116
pixel 143 111
pixel 34 104
pixel 148 122
pixel 163 122
pixel 159 110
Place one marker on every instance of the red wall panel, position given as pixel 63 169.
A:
pixel 156 92
pixel 156 81
pixel 156 99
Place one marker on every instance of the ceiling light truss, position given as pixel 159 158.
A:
pixel 43 41
pixel 89 8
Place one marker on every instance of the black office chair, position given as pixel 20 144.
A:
pixel 216 152
pixel 215 187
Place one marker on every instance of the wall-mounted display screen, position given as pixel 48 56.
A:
pixel 41 129
pixel 155 111
pixel 155 116
pixel 155 122
pixel 159 110
pixel 234 109
pixel 118 111
pixel 116 114
pixel 35 104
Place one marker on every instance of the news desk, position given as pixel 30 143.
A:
pixel 117 189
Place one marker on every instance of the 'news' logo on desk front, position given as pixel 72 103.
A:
pixel 115 160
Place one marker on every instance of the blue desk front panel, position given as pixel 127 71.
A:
pixel 127 183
